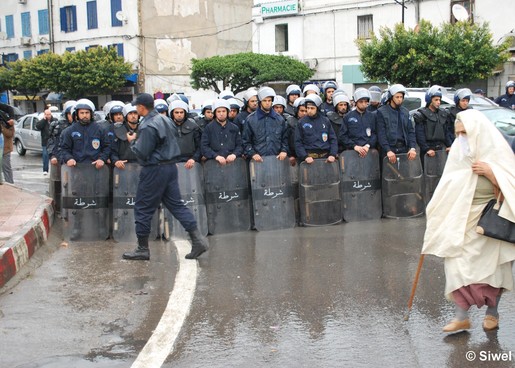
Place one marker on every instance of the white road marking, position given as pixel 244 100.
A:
pixel 161 343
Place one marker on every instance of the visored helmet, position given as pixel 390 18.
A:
pixel 509 84
pixel 301 101
pixel 226 94
pixel 329 84
pixel 128 108
pixel 177 97
pixel 361 93
pixel 340 97
pixel 394 89
pixel 233 103
pixel 116 107
pixel 68 106
pixel 107 108
pixel 311 87
pixel 434 91
pixel 207 105
pixel 462 93
pixel 86 104
pixel 314 99
pixel 178 104
pixel 265 92
pixel 160 105
pixel 279 100
pixel 221 103
pixel 293 89
pixel 375 94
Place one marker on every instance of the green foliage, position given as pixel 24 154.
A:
pixel 453 54
pixel 93 72
pixel 245 70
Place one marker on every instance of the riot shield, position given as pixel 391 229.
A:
pixel 433 169
pixel 402 187
pixel 294 173
pixel 54 186
pixel 191 186
pixel 319 189
pixel 227 196
pixel 85 196
pixel 272 194
pixel 125 187
pixel 361 186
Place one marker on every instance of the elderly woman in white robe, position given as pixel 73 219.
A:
pixel 478 269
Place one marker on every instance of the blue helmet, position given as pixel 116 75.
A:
pixel 434 91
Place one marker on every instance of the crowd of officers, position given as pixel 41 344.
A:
pixel 304 125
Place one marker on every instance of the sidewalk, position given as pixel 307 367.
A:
pixel 25 221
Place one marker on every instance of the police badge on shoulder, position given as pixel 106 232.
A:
pixel 95 143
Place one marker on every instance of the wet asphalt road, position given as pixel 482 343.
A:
pixel 308 297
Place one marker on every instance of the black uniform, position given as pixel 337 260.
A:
pixel 506 100
pixel 188 138
pixel 121 148
pixel 451 118
pixel 431 129
pixel 218 140
pixel 56 129
pixel 337 122
pixel 395 132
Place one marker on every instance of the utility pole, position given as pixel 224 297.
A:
pixel 401 3
pixel 50 7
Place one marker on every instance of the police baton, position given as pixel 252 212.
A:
pixel 414 286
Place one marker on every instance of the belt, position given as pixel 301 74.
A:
pixel 166 162
pixel 400 144
pixel 318 154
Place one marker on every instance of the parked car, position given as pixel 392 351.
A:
pixel 416 98
pixel 26 137
pixel 503 119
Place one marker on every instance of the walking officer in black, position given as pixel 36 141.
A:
pixel 157 150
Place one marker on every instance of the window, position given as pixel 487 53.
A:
pixel 70 49
pixel 9 26
pixel 365 26
pixel 43 21
pixel 92 14
pixel 467 4
pixel 43 51
pixel 27 54
pixel 25 24
pixel 11 57
pixel 116 6
pixel 69 19
pixel 91 47
pixel 281 37
pixel 118 47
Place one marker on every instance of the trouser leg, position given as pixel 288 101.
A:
pixel 7 169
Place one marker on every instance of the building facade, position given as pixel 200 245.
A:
pixel 322 33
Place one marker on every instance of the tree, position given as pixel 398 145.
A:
pixel 245 70
pixel 454 54
pixel 94 72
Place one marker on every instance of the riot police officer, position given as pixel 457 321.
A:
pixel 121 152
pixel 314 134
pixel 358 132
pixel 311 89
pixel 395 132
pixel 234 109
pixel 156 148
pixel 114 116
pixel 292 93
pixel 299 111
pixel 328 88
pixel 161 106
pixel 250 104
pixel 431 127
pixel 265 132
pixel 221 139
pixel 188 131
pixel 206 115
pixel 279 105
pixel 461 101
pixel 508 99
pixel 56 128
pixel 375 98
pixel 341 104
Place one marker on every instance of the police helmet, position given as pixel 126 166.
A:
pixel 233 103
pixel 394 89
pixel 311 87
pixel 85 104
pixel 314 99
pixel 340 97
pixel 265 92
pixel 116 107
pixel 68 106
pixel 434 91
pixel 293 89
pixel 178 104
pixel 509 84
pixel 279 100
pixel 207 105
pixel 251 92
pixel 329 84
pixel 160 105
pixel 177 97
pixel 463 93
pixel 375 94
pixel 384 98
pixel 301 101
pixel 226 94
pixel 128 109
pixel 107 108
pixel 479 91
pixel 221 103
pixel 361 93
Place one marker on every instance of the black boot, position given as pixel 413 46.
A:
pixel 141 253
pixel 199 244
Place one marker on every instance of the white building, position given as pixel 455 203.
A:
pixel 322 33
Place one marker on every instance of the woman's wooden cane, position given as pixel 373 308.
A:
pixel 414 287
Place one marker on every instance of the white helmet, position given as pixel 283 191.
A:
pixel 293 89
pixel 178 104
pixel 314 99
pixel 207 105
pixel 128 108
pixel 251 92
pixel 299 101
pixel 361 93
pixel 341 97
pixel 221 103
pixel 279 100
pixel 265 92
pixel 226 94
pixel 396 88
pixel 84 103
pixel 311 87
pixel 160 105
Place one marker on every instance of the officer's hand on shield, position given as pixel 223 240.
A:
pixel 98 164
pixel 131 136
pixel 362 151
pixel 221 160
pixel 281 156
pixel 309 160
pixel 431 153
pixel 53 161
pixel 257 158
pixel 120 164
pixel 412 153
pixel 189 164
pixel 391 157
pixel 71 162
pixel 330 159
pixel 230 158
pixel 293 161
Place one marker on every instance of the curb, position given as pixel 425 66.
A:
pixel 17 251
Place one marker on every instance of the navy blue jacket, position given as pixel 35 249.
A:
pixel 264 134
pixel 239 120
pixel 326 107
pixel 84 143
pixel 56 128
pixel 506 100
pixel 156 140
pixel 388 120
pixel 358 129
pixel 218 140
pixel 315 134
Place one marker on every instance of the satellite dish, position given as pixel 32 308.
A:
pixel 460 13
pixel 120 16
pixel 3 36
